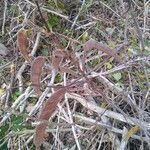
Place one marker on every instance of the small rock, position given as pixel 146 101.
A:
pixel 3 49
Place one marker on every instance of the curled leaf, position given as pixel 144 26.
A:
pixel 36 71
pixel 23 45
pixel 90 44
pixel 45 114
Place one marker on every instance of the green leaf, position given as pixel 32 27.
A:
pixel 3 130
pixel 108 65
pixel 45 51
pixel 53 21
pixel 58 78
pixel 117 76
pixel 15 94
pixel 4 146
pixel 110 30
pixel 55 4
pixel 119 86
pixel 147 43
pixel 85 37
pixel 17 123
pixel 2 91
pixel 64 42
pixel 133 41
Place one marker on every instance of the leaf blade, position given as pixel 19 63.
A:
pixel 36 71
pixel 23 45
pixel 90 44
pixel 45 114
pixel 117 76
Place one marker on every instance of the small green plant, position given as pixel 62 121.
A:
pixel 117 76
pixel 3 132
pixel 15 125
pixel 15 94
pixel 52 21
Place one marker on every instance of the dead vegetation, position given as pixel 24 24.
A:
pixel 75 75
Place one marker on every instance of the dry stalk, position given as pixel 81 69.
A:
pixel 108 127
pixel 70 117
pixel 108 113
pixel 4 17
pixel 48 10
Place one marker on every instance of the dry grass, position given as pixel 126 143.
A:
pixel 107 105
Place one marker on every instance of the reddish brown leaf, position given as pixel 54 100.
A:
pixel 58 57
pixel 60 53
pixel 56 61
pixel 36 71
pixel 67 70
pixel 99 46
pixel 23 45
pixel 45 114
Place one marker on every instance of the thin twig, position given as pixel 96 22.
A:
pixel 48 10
pixel 4 17
pixel 9 90
pixel 109 8
pixel 23 97
pixel 108 113
pixel 38 7
pixel 76 18
pixel 139 32
pixel 108 127
pixel 123 142
pixel 70 117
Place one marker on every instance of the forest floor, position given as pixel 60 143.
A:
pixel 75 75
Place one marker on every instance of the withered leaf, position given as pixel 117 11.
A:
pixel 57 59
pixel 58 56
pixel 23 44
pixel 45 114
pixel 36 71
pixel 90 44
pixel 67 70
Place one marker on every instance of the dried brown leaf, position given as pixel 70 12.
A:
pixel 36 71
pixel 67 70
pixel 57 59
pixel 23 45
pixel 90 44
pixel 45 114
